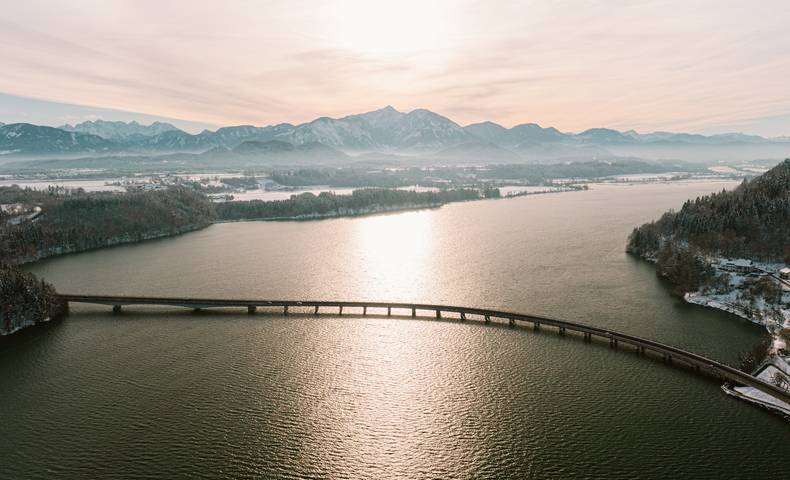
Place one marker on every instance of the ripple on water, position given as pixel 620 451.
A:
pixel 307 397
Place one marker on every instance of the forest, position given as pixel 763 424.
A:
pixel 522 173
pixel 26 300
pixel 751 221
pixel 360 201
pixel 73 220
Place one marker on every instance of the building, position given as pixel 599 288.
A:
pixel 739 265
pixel 784 273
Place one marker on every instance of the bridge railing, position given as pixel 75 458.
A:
pixel 722 370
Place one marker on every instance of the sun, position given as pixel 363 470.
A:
pixel 390 27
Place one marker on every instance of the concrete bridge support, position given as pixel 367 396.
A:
pixel 285 310
pixel 488 319
pixel 251 309
pixel 116 309
pixel 438 314
pixel 511 322
pixel 316 310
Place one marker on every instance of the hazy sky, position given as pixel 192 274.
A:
pixel 692 65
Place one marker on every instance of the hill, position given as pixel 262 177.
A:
pixel 26 300
pixel 752 221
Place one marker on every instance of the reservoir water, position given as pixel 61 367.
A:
pixel 175 394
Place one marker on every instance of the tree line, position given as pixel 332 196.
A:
pixel 329 204
pixel 75 220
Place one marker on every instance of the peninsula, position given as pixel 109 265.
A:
pixel 730 251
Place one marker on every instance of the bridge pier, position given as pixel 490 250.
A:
pixel 587 336
pixel 562 330
pixel 413 312
pixel 365 310
pixel 316 310
pixel 389 312
pixel 197 310
pixel 438 314
pixel 251 309
pixel 116 309
pixel 488 319
pixel 536 326
pixel 285 310
pixel 341 310
pixel 463 316
pixel 511 322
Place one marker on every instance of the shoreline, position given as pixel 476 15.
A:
pixel 731 303
pixel 374 210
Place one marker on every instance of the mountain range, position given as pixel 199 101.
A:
pixel 386 131
pixel 119 130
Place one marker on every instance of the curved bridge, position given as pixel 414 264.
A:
pixel 699 363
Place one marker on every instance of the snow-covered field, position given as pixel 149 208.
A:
pixel 87 185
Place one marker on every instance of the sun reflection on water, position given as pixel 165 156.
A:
pixel 395 251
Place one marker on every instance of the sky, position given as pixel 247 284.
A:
pixel 707 66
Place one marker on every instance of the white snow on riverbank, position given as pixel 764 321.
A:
pixel 775 366
pixel 774 317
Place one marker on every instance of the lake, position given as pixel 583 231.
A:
pixel 171 393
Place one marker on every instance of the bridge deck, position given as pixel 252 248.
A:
pixel 698 362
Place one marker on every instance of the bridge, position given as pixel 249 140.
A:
pixel 670 354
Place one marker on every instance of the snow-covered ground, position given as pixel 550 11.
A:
pixel 767 373
pixel 774 317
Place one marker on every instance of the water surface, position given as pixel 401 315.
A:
pixel 154 393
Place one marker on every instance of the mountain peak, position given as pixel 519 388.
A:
pixel 118 130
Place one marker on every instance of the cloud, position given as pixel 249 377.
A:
pixel 573 64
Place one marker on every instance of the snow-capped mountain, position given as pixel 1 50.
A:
pixel 388 131
pixel 381 130
pixel 24 138
pixel 526 133
pixel 119 130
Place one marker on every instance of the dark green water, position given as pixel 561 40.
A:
pixel 153 393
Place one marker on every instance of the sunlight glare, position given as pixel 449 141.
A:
pixel 384 27
pixel 395 250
